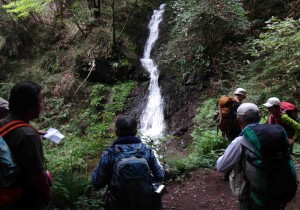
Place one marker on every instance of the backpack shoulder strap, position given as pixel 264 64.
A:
pixel 247 145
pixel 11 126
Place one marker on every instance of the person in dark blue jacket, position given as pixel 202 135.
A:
pixel 126 130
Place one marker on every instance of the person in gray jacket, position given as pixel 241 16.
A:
pixel 246 155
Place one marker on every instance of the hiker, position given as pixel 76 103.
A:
pixel 279 116
pixel 252 155
pixel 105 173
pixel 31 187
pixel 228 124
pixel 235 130
pixel 3 108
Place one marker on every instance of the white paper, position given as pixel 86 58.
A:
pixel 54 135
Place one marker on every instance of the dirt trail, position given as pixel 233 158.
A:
pixel 205 189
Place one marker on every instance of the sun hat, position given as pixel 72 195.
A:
pixel 240 91
pixel 4 103
pixel 247 109
pixel 272 101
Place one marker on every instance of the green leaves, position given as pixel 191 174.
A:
pixel 277 52
pixel 22 8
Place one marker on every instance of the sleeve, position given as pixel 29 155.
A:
pixel 102 174
pixel 230 157
pixel 292 123
pixel 155 167
pixel 264 120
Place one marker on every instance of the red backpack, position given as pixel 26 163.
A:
pixel 290 109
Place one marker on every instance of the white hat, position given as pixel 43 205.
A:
pixel 4 103
pixel 247 109
pixel 272 101
pixel 240 91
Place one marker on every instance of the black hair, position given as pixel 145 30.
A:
pixel 126 126
pixel 23 96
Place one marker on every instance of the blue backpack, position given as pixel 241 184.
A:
pixel 131 184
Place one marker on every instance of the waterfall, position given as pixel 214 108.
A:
pixel 152 118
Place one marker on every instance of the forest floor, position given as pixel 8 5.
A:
pixel 204 189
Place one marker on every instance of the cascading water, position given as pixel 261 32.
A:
pixel 152 118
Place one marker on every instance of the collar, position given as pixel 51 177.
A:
pixel 250 125
pixel 127 140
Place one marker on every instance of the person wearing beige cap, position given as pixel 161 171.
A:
pixel 278 116
pixel 4 110
pixel 240 94
pixel 249 156
pixel 233 129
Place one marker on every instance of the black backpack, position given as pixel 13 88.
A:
pixel 268 166
pixel 131 184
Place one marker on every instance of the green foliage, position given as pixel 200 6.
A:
pixel 69 161
pixel 97 95
pixel 89 203
pixel 205 114
pixel 116 96
pixel 55 111
pixel 22 8
pixel 203 26
pixel 80 12
pixel 5 89
pixel 204 151
pixel 119 95
pixel 296 149
pixel 69 188
pixel 276 54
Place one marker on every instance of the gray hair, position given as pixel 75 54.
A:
pixel 250 118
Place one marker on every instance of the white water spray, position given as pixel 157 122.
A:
pixel 152 118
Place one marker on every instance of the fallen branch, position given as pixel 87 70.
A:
pixel 91 69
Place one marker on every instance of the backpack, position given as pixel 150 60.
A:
pixel 268 166
pixel 224 116
pixel 9 170
pixel 290 109
pixel 131 184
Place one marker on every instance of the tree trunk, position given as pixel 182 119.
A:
pixel 114 42
pixel 94 5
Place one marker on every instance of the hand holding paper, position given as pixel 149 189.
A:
pixel 54 135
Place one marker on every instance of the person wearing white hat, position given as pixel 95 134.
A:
pixel 240 94
pixel 4 110
pixel 244 153
pixel 278 116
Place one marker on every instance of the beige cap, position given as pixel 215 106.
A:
pixel 247 109
pixel 3 103
pixel 272 101
pixel 240 91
